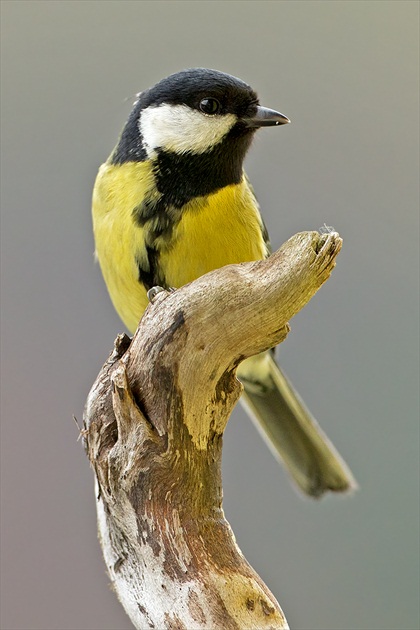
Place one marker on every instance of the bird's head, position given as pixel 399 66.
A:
pixel 196 117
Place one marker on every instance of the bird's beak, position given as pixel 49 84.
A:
pixel 265 117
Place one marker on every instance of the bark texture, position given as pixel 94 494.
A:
pixel 154 423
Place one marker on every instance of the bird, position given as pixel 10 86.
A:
pixel 173 202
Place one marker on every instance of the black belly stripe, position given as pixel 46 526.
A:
pixel 157 218
pixel 151 276
pixel 157 221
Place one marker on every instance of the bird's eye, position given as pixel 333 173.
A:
pixel 210 106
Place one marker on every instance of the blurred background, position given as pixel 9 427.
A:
pixel 346 73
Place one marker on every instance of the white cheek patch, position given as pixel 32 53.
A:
pixel 179 128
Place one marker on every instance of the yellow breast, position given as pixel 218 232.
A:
pixel 222 228
pixel 217 230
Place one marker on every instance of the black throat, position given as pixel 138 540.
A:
pixel 182 177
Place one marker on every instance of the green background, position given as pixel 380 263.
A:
pixel 346 73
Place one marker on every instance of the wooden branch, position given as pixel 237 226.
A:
pixel 154 424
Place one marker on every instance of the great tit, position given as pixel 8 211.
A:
pixel 171 203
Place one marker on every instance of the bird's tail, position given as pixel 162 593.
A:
pixel 291 432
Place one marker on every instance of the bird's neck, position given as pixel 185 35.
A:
pixel 183 177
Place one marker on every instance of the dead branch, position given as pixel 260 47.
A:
pixel 154 424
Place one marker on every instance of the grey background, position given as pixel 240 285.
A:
pixel 346 73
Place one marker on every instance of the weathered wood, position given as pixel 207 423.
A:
pixel 154 424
